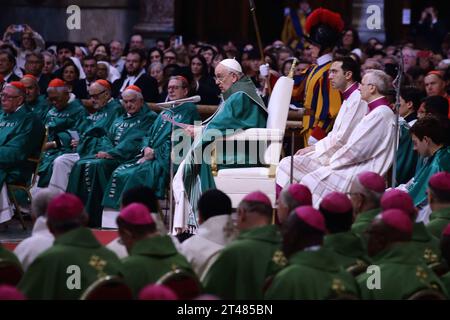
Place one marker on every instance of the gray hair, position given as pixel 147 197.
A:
pixel 380 80
pixel 18 91
pixel 130 92
pixel 41 200
pixel 370 195
pixel 156 64
pixel 58 89
pixel 237 73
pixel 50 55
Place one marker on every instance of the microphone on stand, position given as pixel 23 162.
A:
pixel 165 106
pixel 397 83
pixel 193 99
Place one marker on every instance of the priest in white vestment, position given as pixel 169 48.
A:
pixel 41 238
pixel 370 146
pixel 216 230
pixel 344 76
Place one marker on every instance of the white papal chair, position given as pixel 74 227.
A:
pixel 238 182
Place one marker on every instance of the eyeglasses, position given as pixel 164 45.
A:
pixel 95 96
pixel 6 97
pixel 221 79
pixel 174 87
pixel 169 58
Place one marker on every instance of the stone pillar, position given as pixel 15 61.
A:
pixel 156 18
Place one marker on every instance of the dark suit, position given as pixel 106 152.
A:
pixel 43 82
pixel 146 83
pixel 13 77
pixel 79 89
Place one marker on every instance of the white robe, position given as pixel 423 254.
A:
pixel 62 166
pixel 369 148
pixel 6 212
pixel 350 114
pixel 41 239
pixel 203 248
pixel 182 206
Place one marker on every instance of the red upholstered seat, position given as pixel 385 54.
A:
pixel 185 284
pixel 10 273
pixel 108 288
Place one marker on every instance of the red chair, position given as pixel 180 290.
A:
pixel 185 284
pixel 10 272
pixel 427 294
pixel 108 288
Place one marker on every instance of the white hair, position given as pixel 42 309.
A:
pixel 156 64
pixel 372 196
pixel 130 92
pixel 63 89
pixel 230 70
pixel 18 91
pixel 41 200
pixel 379 79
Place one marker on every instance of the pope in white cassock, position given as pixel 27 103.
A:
pixel 242 109
pixel 362 140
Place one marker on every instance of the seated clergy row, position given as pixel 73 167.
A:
pixel 313 254
pixel 94 155
pixel 99 155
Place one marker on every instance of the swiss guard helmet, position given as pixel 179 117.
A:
pixel 324 28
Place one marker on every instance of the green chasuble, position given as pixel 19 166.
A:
pixel 348 248
pixel 242 109
pixel 6 255
pixel 40 107
pixel 150 259
pixel 90 176
pixel 402 273
pixel 58 123
pixel 406 156
pixel 312 275
pixel 439 219
pixel 242 267
pixel 21 135
pixel 92 127
pixel 438 162
pixel 427 245
pixel 152 173
pixel 363 220
pixel 77 253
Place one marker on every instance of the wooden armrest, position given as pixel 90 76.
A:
pixel 256 134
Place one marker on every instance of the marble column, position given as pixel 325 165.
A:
pixel 156 18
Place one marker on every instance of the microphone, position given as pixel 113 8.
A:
pixel 193 99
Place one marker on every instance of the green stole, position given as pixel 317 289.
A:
pixel 242 109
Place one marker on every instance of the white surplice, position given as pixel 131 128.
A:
pixel 350 114
pixel 203 248
pixel 369 148
pixel 41 239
